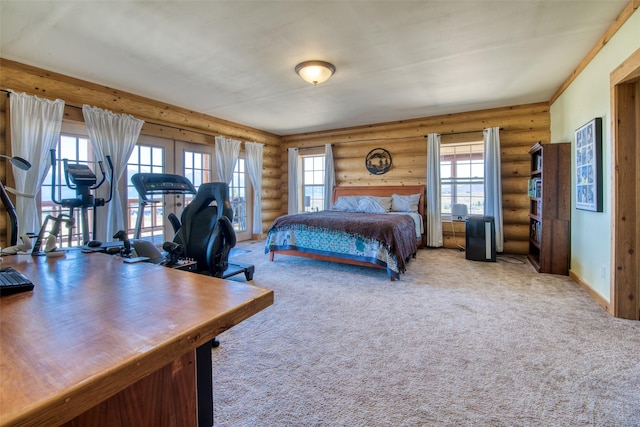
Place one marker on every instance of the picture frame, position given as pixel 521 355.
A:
pixel 588 162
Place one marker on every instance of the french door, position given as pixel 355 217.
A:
pixel 153 155
pixel 197 163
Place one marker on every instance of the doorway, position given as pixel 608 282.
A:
pixel 625 136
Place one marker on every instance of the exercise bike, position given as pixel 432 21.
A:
pixel 83 180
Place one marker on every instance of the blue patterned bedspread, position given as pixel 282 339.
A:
pixel 337 243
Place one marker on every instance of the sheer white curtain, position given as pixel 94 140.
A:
pixel 35 130
pixel 493 183
pixel 329 176
pixel 113 135
pixel 434 220
pixel 227 152
pixel 254 168
pixel 293 180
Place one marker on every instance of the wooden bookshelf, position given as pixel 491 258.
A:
pixel 550 207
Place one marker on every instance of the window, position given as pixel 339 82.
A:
pixel 313 183
pixel 462 177
pixel 197 169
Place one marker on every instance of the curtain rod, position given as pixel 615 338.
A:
pixel 314 146
pixel 460 133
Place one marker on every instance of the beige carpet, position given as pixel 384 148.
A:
pixel 454 342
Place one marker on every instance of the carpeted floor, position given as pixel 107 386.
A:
pixel 454 342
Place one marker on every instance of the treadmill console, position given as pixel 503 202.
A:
pixel 161 183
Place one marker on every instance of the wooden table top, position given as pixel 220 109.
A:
pixel 94 325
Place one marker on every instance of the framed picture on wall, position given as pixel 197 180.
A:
pixel 589 166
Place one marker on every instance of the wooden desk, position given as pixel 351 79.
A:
pixel 100 342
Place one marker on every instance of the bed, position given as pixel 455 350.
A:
pixel 386 240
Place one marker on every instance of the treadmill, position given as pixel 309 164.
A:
pixel 154 184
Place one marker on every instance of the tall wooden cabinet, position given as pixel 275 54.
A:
pixel 550 207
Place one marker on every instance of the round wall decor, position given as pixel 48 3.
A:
pixel 378 161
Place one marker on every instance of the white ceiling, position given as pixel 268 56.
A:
pixel 235 60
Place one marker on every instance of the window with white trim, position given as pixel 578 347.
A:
pixel 312 171
pixel 462 177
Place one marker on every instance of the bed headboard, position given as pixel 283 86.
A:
pixel 381 191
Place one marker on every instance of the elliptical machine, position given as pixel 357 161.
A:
pixel 80 177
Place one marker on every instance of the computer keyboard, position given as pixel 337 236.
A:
pixel 12 281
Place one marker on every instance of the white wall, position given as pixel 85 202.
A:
pixel 586 98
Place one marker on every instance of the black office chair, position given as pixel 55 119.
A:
pixel 204 231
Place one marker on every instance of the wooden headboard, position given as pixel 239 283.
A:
pixel 382 191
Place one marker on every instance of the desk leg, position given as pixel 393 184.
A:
pixel 204 385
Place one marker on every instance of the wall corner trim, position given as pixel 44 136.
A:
pixel 595 295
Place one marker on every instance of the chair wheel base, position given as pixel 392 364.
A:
pixel 234 269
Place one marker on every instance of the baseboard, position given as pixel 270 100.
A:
pixel 592 292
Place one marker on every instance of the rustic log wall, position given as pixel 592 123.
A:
pixel 162 120
pixel 521 126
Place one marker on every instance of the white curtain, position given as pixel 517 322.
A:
pixel 35 130
pixel 113 135
pixel 227 152
pixel 293 180
pixel 254 169
pixel 329 176
pixel 434 220
pixel 493 183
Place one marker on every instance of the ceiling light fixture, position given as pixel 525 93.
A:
pixel 315 72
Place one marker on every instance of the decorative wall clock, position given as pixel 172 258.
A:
pixel 378 161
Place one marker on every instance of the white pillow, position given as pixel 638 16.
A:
pixel 385 202
pixel 347 203
pixel 369 204
pixel 405 203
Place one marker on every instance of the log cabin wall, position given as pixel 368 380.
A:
pixel 161 120
pixel 522 126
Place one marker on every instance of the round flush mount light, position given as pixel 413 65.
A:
pixel 315 72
